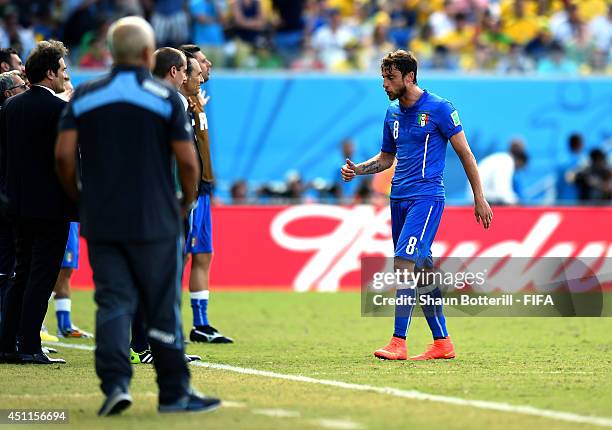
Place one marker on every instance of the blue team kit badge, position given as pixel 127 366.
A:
pixel 69 257
pixel 423 119
pixel 193 242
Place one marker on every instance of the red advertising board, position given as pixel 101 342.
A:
pixel 318 247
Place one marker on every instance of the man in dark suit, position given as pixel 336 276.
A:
pixel 11 84
pixel 39 209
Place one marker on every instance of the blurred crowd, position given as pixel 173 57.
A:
pixel 507 36
pixel 373 189
pixel 582 177
pixel 504 36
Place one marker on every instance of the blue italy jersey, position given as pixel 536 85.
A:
pixel 417 136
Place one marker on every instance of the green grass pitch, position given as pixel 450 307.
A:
pixel 548 363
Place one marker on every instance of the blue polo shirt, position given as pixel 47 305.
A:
pixel 418 136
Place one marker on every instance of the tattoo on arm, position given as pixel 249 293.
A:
pixel 372 166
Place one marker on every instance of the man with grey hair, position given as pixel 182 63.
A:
pixel 128 127
pixel 11 84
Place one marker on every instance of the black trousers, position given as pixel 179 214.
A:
pixel 126 273
pixel 139 341
pixel 39 249
pixel 7 258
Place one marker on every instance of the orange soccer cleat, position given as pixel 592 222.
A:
pixel 440 348
pixel 395 350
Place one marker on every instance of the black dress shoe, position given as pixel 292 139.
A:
pixel 8 357
pixel 38 358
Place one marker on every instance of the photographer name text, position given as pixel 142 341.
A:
pixel 465 300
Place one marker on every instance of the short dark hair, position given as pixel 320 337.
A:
pixel 403 61
pixel 165 58
pixel 575 142
pixel 192 49
pixel 44 57
pixel 597 155
pixel 521 156
pixel 188 57
pixel 5 55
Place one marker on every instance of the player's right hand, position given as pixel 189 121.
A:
pixel 348 171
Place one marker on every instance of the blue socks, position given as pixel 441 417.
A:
pixel 403 312
pixel 62 312
pixel 433 313
pixel 199 306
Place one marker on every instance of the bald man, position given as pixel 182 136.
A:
pixel 129 127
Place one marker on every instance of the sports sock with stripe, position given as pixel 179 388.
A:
pixel 433 312
pixel 199 306
pixel 62 312
pixel 403 311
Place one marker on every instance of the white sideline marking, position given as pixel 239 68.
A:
pixel 337 424
pixel 413 394
pixel 277 413
pixel 70 345
pixel 408 394
pixel 230 404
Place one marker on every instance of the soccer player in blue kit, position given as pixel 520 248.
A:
pixel 417 126
pixel 63 304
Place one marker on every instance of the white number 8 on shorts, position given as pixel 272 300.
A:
pixel 411 244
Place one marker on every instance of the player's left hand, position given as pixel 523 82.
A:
pixel 483 213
